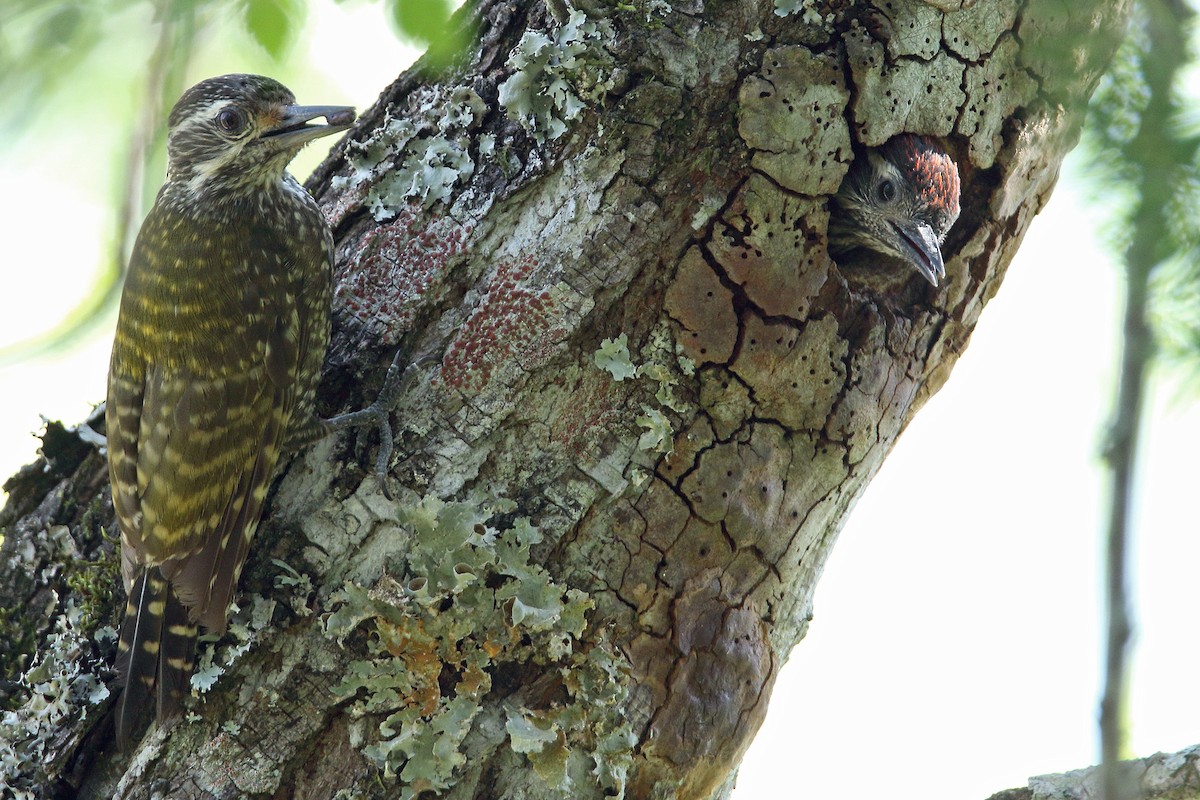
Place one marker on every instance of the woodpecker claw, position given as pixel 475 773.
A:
pixel 395 384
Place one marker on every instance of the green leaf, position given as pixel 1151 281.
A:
pixel 274 23
pixel 424 21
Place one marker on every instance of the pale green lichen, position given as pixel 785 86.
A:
pixel 663 366
pixel 808 11
pixel 432 168
pixel 298 587
pixel 420 158
pixel 59 687
pixel 247 627
pixel 557 75
pixel 613 356
pixel 658 434
pixel 589 736
pixel 652 12
pixel 658 8
pixel 476 599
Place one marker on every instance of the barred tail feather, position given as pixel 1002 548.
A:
pixel 156 647
pixel 137 653
pixel 177 655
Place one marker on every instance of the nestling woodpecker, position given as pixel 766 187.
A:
pixel 898 200
pixel 222 331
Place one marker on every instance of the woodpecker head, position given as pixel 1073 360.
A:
pixel 241 130
pixel 899 200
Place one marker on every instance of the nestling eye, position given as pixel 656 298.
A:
pixel 886 191
pixel 230 120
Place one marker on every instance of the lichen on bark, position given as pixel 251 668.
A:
pixel 685 505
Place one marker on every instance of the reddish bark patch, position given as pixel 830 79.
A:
pixel 512 322
pixel 385 283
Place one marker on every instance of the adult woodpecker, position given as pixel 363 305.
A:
pixel 222 331
pixel 898 200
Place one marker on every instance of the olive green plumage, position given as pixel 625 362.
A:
pixel 222 331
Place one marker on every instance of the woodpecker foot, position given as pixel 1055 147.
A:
pixel 397 380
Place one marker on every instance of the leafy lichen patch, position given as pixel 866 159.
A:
pixel 60 687
pixel 557 74
pixel 419 158
pixel 475 600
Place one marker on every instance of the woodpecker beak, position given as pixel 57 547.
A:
pixel 291 130
pixel 917 242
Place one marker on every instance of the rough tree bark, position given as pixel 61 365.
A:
pixel 648 401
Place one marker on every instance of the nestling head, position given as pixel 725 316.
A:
pixel 899 200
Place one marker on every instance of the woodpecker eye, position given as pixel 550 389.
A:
pixel 231 120
pixel 886 191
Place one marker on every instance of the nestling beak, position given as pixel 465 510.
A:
pixel 917 242
pixel 291 131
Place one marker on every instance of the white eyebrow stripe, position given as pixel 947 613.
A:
pixel 206 111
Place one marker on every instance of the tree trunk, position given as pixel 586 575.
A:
pixel 645 400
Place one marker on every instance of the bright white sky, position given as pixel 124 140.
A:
pixel 955 648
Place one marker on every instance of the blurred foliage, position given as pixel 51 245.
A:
pixel 57 69
pixel 273 23
pixel 1144 162
pixel 1143 158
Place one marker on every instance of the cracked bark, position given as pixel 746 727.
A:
pixel 686 210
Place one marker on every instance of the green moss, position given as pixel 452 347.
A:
pixel 92 585
pixel 20 642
